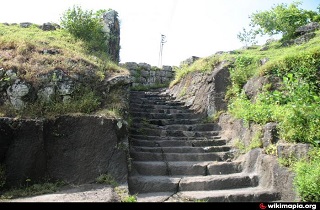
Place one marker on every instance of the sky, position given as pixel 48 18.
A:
pixel 191 27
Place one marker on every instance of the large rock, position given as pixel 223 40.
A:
pixel 24 150
pixel 80 149
pixel 18 93
pixel 204 92
pixel 74 149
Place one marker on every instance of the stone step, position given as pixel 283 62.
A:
pixel 163 122
pixel 218 182
pixel 178 143
pixel 249 194
pixel 181 127
pixel 169 103
pixel 149 156
pixel 184 149
pixel 159 107
pixel 147 184
pixel 188 168
pixel 194 127
pixel 179 138
pixel 143 99
pixel 164 116
pixel 150 94
pixel 172 133
pixel 160 111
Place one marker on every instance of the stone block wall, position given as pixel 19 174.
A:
pixel 143 74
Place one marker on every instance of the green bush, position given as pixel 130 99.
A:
pixel 307 179
pixel 85 25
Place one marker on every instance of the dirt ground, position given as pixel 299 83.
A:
pixel 83 193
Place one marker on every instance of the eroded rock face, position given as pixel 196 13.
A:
pixel 75 149
pixel 204 92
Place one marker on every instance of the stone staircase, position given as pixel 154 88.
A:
pixel 176 157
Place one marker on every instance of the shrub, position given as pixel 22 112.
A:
pixel 85 25
pixel 307 179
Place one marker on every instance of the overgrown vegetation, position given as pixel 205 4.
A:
pixel 78 47
pixel 307 179
pixel 86 25
pixel 290 94
pixel 107 179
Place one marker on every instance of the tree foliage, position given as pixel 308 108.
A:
pixel 85 25
pixel 280 19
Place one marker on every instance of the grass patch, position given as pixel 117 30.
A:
pixel 107 179
pixel 32 190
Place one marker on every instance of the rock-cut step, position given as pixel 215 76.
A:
pixel 187 168
pixel 147 184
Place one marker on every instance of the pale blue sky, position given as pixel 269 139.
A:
pixel 192 27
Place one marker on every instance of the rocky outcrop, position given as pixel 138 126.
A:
pixel 56 85
pixel 111 26
pixel 204 92
pixel 74 149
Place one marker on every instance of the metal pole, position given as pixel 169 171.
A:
pixel 163 40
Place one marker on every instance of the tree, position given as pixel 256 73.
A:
pixel 247 37
pixel 282 19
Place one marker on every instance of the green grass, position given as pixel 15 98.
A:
pixel 32 190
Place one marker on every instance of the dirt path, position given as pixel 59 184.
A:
pixel 83 193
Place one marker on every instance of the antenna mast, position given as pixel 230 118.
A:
pixel 163 40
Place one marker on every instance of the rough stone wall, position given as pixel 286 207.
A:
pixel 143 74
pixel 111 26
pixel 55 85
pixel 75 149
pixel 204 92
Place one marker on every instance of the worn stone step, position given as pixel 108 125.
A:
pixel 169 103
pixel 157 106
pixel 249 194
pixel 148 115
pixel 172 133
pixel 142 99
pixel 188 168
pixel 178 138
pixel 163 122
pixel 149 156
pixel 182 149
pixel 178 143
pixel 218 182
pixel 161 111
pixel 181 127
pixel 147 184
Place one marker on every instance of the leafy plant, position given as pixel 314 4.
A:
pixel 307 179
pixel 85 25
pixel 107 179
